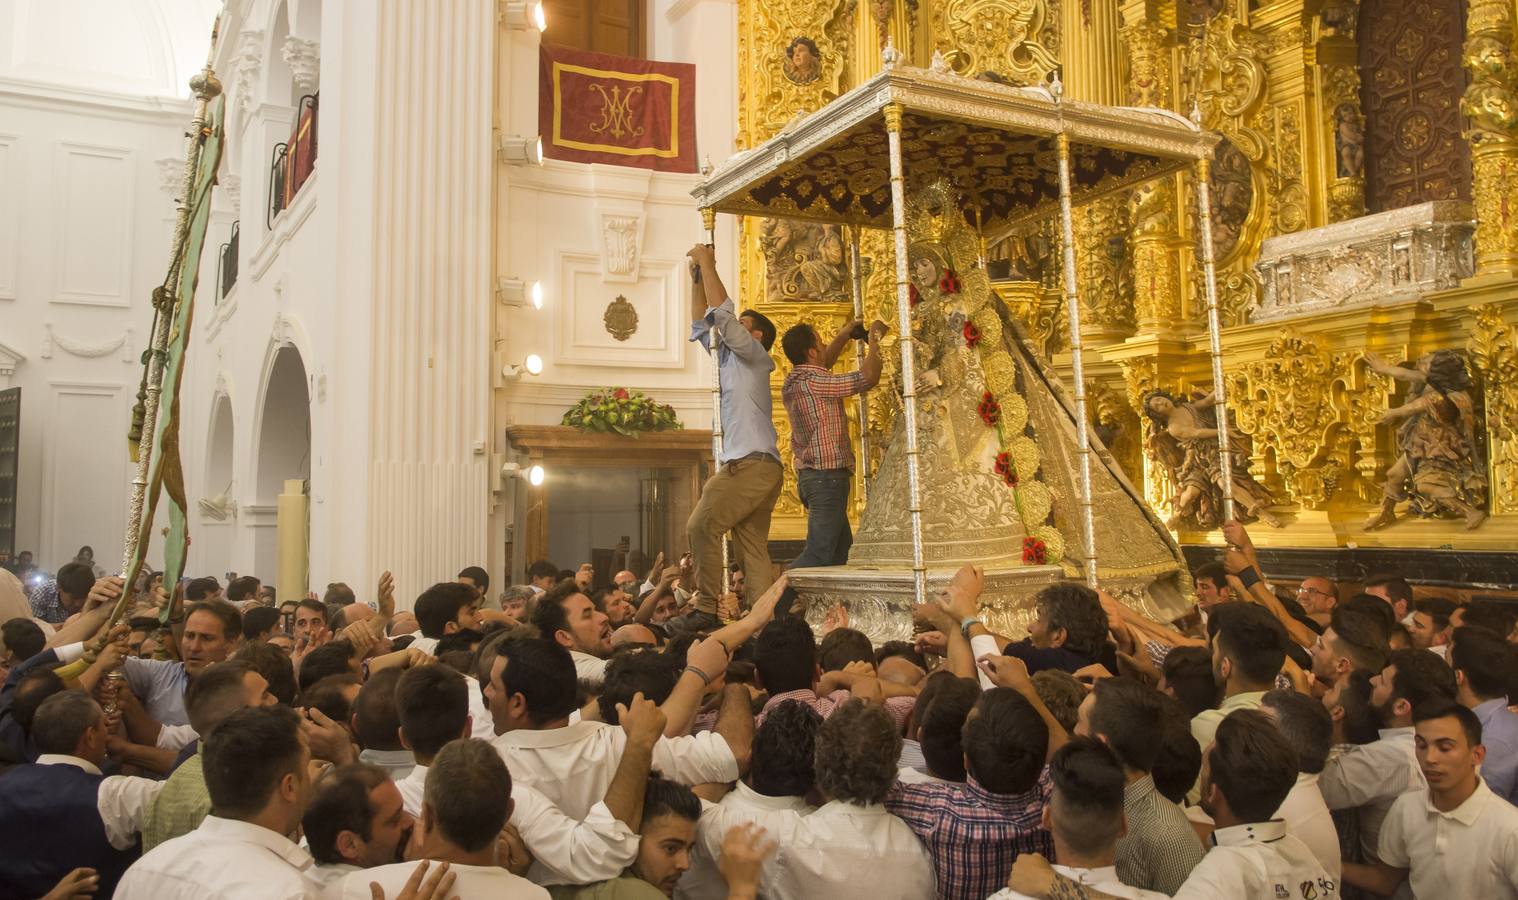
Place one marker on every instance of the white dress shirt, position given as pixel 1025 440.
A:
pixel 412 787
pixel 590 670
pixel 1371 777
pixel 909 775
pixel 123 800
pixel 1258 861
pixel 848 852
pixel 223 859
pixel 481 723
pixel 176 737
pixel 574 765
pixel 329 877
pixel 780 817
pixel 1103 879
pixel 425 644
pixel 1307 817
pixel 1470 851
pixel 491 882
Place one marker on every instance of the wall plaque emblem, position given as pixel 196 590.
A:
pixel 621 319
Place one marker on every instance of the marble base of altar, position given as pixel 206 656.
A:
pixel 1388 257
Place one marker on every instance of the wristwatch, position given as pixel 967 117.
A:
pixel 966 622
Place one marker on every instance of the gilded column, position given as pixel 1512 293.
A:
pixel 1155 228
pixel 1491 105
pixel 1091 70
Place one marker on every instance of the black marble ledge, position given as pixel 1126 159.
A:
pixel 1481 570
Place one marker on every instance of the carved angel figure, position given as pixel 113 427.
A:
pixel 1185 441
pixel 1438 465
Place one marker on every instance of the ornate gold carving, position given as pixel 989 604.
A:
pixel 803 261
pixel 772 89
pixel 1102 271
pixel 1494 356
pixel 621 319
pixel 1345 125
pixel 1491 104
pixel 1014 39
pixel 1286 175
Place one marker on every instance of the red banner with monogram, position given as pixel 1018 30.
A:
pixel 599 108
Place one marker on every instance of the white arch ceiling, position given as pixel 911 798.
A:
pixel 137 47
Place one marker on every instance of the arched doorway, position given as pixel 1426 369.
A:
pixel 211 553
pixel 284 452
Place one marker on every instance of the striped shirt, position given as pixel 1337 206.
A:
pixel 974 835
pixel 1161 848
pixel 813 399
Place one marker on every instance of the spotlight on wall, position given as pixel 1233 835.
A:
pixel 532 365
pixel 520 151
pixel 516 292
pixel 533 475
pixel 520 15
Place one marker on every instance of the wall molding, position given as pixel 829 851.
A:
pixel 110 104
pixel 87 349
pixel 64 236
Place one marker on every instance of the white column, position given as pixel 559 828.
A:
pixel 429 393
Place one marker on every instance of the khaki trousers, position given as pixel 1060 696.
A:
pixel 739 498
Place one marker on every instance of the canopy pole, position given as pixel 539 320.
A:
pixel 1077 363
pixel 859 354
pixel 893 115
pixel 1214 335
pixel 714 337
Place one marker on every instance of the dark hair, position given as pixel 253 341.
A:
pixel 246 757
pixel 469 791
pixel 1252 765
pixel 798 339
pixel 1188 672
pixel 941 724
pixel 802 41
pixel 857 750
pixel 35 688
pixel 1361 637
pixel 842 646
pixel 61 721
pixel 313 605
pixel 784 749
pixel 1396 587
pixel 549 614
pixel 542 569
pixel 1213 572
pixel 1447 372
pixel 338 594
pixel 440 604
pixel 1373 606
pixel 23 638
pixel 1306 725
pixel 230 618
pixel 639 671
pixel 1005 742
pixel 274 665
pixel 332 658
pixel 762 324
pixel 1124 713
pixel 144 623
pixel 1361 723
pixel 341 803
pixel 662 797
pixel 329 695
pixel 75 580
pixel 1061 695
pixel 258 620
pixel 1075 608
pixel 544 674
pixel 479 576
pixel 785 655
pixel 464 639
pixel 433 704
pixel 376 720
pixel 1437 608
pixel 216 693
pixel 200 588
pixel 1493 615
pixel 903 649
pixel 241 589
pixel 1470 723
pixel 1087 805
pixel 1253 639
pixel 1154 417
pixel 1486 659
pixel 1422 677
pixel 1180 758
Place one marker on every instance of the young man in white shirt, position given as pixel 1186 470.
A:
pixel 1246 772
pixel 1307 726
pixel 566 616
pixel 356 820
pixel 1248 650
pixel 442 609
pixel 464 810
pixel 1458 839
pixel 1372 776
pixel 433 705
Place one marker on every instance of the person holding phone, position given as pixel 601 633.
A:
pixel 820 447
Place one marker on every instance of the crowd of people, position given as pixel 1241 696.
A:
pixel 585 738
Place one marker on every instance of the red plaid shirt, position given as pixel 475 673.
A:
pixel 813 399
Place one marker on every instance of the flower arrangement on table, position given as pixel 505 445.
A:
pixel 621 411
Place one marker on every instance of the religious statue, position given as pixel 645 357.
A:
pixel 1349 141
pixel 803 261
pixel 803 63
pixel 1438 467
pixel 1185 442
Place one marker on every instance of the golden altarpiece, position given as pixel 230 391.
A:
pixel 1365 210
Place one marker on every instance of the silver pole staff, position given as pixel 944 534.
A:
pixel 904 340
pixel 859 351
pixel 1214 332
pixel 714 337
pixel 1078 368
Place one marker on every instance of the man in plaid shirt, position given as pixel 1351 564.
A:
pixel 820 447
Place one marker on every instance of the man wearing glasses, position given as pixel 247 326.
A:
pixel 1318 597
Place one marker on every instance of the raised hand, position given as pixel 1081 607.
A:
pixel 1031 875
pixel 710 657
pixel 1006 671
pixel 934 643
pixel 328 740
pixel 78 883
pixel 965 589
pixel 745 847
pixel 435 887
pixel 642 720
pixel 657 568
pixel 837 617
pixel 106 590
pixel 512 853
pixel 385 595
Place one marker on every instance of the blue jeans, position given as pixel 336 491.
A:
pixel 825 494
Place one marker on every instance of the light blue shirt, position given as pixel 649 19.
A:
pixel 1499 732
pixel 160 684
pixel 743 368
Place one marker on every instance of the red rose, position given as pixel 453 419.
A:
pixel 972 334
pixel 914 296
pixel 990 410
pixel 1003 464
pixel 1034 551
pixel 949 283
pixel 620 393
pixel 1010 478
